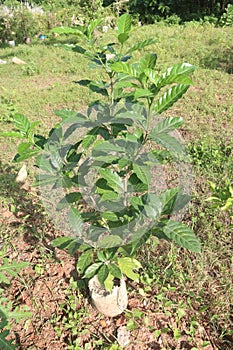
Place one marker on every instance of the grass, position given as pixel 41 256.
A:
pixel 196 288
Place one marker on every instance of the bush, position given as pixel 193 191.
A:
pixel 227 17
pixel 18 22
pixel 21 22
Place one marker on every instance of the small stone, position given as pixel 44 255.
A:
pixel 2 62
pixel 123 336
pixel 16 60
pixel 22 174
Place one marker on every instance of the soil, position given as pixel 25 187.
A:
pixel 62 316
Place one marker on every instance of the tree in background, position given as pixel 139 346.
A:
pixel 151 10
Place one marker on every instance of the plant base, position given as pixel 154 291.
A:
pixel 108 303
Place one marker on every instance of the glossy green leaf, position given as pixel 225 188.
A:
pixel 71 116
pixel 44 179
pixel 123 37
pixel 62 242
pixel 106 147
pixel 124 24
pixel 152 75
pixel 182 235
pixel 92 270
pixel 21 123
pixel 140 92
pixel 108 283
pixel 11 268
pixel 141 45
pixel 108 196
pixel 167 125
pixel 170 97
pixel 127 267
pixel 110 241
pixel 115 270
pixel 88 140
pixel 110 216
pixel 142 172
pixel 177 74
pixel 169 142
pixel 11 134
pixel 69 198
pixel 85 260
pixel 25 152
pixel 113 179
pixel 154 204
pixel 126 68
pixel 75 220
pixel 65 30
pixel 103 274
pixel 94 24
pixel 4 343
pixel 147 61
pixel 168 199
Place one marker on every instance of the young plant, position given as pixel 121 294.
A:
pixel 97 168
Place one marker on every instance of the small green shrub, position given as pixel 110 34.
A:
pixel 227 18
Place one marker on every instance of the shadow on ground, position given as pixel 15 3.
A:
pixel 220 60
pixel 20 207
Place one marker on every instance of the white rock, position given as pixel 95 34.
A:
pixel 16 60
pixel 22 174
pixel 123 336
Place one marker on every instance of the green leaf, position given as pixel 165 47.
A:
pixel 69 198
pixel 167 125
pixel 92 270
pixel 152 75
pixel 142 172
pixel 177 74
pixel 44 179
pixel 109 241
pixel 4 343
pixel 85 260
pixel 71 116
pixel 75 220
pixel 170 97
pixel 66 30
pixel 124 24
pixel 140 92
pixel 11 268
pixel 141 45
pixel 91 27
pixel 22 123
pixel 102 274
pixel 127 267
pixel 170 143
pixel 147 61
pixel 88 140
pixel 62 242
pixel 126 68
pixel 11 134
pixel 101 255
pixel 115 270
pixel 169 199
pixel 113 179
pixel 182 235
pixel 107 195
pixel 65 113
pixel 123 37
pixel 108 283
pixel 110 216
pixel 106 147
